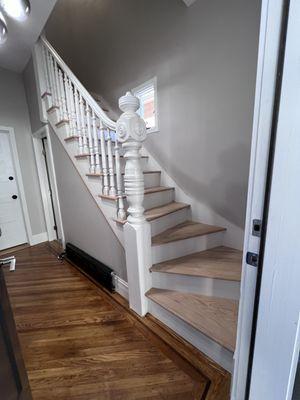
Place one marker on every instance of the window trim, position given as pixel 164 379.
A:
pixel 152 81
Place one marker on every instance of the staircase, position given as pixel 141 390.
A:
pixel 178 268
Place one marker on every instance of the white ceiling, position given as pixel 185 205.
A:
pixel 15 52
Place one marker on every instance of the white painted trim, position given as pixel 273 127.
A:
pixel 262 119
pixel 39 238
pixel 43 132
pixel 16 162
pixel 39 80
pixel 121 287
pixel 37 146
pixel 295 363
pixel 52 166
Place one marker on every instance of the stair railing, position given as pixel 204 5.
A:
pixel 88 123
pixel 99 140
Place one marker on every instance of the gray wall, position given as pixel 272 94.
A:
pixel 84 224
pixel 204 58
pixel 14 113
pixel 31 96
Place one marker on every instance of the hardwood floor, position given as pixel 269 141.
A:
pixel 80 343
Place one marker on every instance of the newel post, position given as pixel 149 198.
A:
pixel 131 132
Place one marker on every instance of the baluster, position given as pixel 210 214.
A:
pixel 83 126
pixel 59 105
pixel 97 168
pixel 78 122
pixel 121 214
pixel 68 104
pixel 105 185
pixel 111 171
pixel 52 75
pixel 47 74
pixel 89 131
pixel 62 96
pixel 73 109
pixel 131 131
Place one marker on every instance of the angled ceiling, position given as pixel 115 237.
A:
pixel 15 52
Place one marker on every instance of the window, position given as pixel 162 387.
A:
pixel 147 94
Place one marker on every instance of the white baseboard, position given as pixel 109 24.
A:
pixel 38 238
pixel 121 287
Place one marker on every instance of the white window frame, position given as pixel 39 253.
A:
pixel 135 92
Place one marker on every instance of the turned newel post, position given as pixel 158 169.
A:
pixel 131 132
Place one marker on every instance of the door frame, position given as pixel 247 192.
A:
pixel 16 162
pixel 43 132
pixel 268 50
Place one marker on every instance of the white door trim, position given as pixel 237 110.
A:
pixel 16 162
pixel 43 132
pixel 271 11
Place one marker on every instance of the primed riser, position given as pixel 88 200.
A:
pixel 195 284
pixel 168 221
pixel 202 342
pixel 184 247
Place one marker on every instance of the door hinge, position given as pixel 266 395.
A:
pixel 252 259
pixel 55 227
pixel 256 227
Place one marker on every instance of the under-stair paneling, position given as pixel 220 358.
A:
pixel 84 224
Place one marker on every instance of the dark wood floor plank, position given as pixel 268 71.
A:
pixel 79 345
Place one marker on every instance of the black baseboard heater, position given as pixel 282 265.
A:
pixel 92 267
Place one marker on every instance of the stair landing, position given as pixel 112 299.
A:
pixel 213 316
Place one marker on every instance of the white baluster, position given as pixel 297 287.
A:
pixel 68 104
pixel 58 100
pixel 47 75
pixel 52 75
pixel 97 168
pixel 121 214
pixel 83 125
pixel 72 109
pixel 89 131
pixel 111 170
pixel 62 96
pixel 131 132
pixel 105 185
pixel 78 122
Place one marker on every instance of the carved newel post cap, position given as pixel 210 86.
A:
pixel 129 102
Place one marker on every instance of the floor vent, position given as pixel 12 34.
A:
pixel 94 268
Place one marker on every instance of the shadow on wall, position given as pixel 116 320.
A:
pixel 226 196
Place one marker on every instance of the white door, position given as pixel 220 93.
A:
pixel 277 340
pixel 12 226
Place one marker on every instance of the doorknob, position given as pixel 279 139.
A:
pixel 11 178
pixel 14 196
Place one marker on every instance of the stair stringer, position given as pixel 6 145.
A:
pixel 93 185
pixel 234 235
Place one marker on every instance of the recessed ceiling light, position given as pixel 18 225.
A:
pixel 3 30
pixel 17 9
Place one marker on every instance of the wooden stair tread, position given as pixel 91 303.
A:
pixel 154 189
pixel 158 212
pixel 217 263
pixel 185 230
pixel 213 316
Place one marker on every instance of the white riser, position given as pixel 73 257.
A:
pixel 202 342
pixel 158 199
pixel 184 247
pixel 195 284
pixel 168 221
pixel 152 180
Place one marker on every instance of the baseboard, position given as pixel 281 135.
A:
pixel 38 238
pixel 121 287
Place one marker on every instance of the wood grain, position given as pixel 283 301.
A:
pixel 79 344
pixel 186 230
pixel 215 317
pixel 217 263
